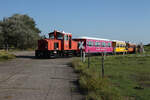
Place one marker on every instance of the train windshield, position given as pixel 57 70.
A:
pixel 51 36
pixel 59 36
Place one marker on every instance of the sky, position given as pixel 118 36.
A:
pixel 127 20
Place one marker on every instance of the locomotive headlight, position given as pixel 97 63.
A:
pixel 55 52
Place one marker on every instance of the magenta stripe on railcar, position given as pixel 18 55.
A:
pixel 95 46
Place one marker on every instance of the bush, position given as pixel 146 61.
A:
pixel 6 56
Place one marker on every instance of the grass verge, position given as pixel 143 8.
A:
pixel 126 77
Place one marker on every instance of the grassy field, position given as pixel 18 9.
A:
pixel 5 56
pixel 126 77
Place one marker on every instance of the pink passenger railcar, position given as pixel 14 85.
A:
pixel 94 45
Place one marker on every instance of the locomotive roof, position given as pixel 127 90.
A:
pixel 63 32
pixel 92 38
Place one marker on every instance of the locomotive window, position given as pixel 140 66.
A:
pixel 65 37
pixel 51 36
pixel 59 36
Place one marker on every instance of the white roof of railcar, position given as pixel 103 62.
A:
pixel 118 41
pixel 92 38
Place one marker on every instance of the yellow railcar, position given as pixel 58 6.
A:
pixel 119 46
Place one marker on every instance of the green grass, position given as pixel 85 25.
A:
pixel 147 49
pixel 6 56
pixel 126 77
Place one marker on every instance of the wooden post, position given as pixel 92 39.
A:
pixel 103 65
pixel 114 51
pixel 88 59
pixel 81 55
pixel 141 48
pixel 123 53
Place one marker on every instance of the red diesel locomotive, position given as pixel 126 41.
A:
pixel 58 44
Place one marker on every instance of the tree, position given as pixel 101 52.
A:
pixel 1 37
pixel 20 31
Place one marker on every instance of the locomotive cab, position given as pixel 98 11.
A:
pixel 58 44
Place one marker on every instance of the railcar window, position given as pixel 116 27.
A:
pixel 103 44
pixel 106 44
pixel 109 44
pixel 122 45
pixel 118 45
pixel 97 44
pixel 90 43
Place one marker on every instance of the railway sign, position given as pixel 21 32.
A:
pixel 81 45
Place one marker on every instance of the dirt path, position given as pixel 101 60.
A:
pixel 27 78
